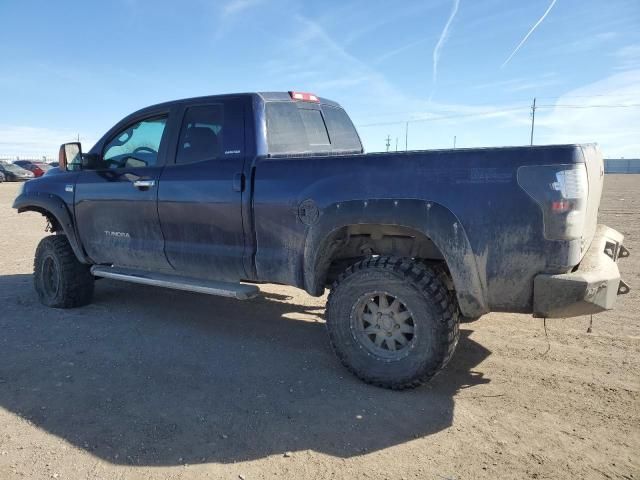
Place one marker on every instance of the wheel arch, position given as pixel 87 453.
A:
pixel 398 227
pixel 54 209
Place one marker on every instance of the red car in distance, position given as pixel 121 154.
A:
pixel 38 168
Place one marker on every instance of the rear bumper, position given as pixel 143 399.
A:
pixel 592 288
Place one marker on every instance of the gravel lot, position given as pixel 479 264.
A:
pixel 152 383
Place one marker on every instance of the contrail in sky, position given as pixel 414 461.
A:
pixel 442 39
pixel 553 2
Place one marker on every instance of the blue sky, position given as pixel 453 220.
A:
pixel 77 67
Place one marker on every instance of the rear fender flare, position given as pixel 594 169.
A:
pixel 430 218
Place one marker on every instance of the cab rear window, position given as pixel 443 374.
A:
pixel 297 127
pixel 314 127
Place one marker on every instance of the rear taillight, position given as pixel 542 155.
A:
pixel 561 191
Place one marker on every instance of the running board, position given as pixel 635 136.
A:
pixel 239 291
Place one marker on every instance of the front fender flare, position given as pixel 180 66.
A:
pixel 430 218
pixel 49 204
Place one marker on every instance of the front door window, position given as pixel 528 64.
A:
pixel 136 146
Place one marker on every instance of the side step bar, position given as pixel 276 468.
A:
pixel 239 291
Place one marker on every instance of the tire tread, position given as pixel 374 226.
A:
pixel 427 280
pixel 77 282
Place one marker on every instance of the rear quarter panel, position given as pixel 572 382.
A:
pixel 501 247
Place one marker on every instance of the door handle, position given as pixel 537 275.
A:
pixel 143 184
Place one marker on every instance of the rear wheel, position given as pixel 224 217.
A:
pixel 392 321
pixel 60 280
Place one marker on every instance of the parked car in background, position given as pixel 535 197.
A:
pixel 37 168
pixel 53 164
pixel 15 173
pixel 2 177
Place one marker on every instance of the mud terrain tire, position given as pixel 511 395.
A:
pixel 392 322
pixel 60 280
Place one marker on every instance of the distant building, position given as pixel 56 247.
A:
pixel 622 165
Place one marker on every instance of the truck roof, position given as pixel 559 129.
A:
pixel 286 96
pixel 264 96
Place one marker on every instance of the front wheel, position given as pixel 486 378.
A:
pixel 392 322
pixel 60 280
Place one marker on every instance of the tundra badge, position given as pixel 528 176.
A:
pixel 109 233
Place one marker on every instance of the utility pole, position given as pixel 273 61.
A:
pixel 454 142
pixel 533 117
pixel 396 144
pixel 78 138
pixel 406 137
pixel 388 142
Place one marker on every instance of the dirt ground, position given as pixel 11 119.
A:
pixel 151 383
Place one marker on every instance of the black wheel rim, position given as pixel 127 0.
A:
pixel 383 324
pixel 50 277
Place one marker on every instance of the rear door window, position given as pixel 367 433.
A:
pixel 210 132
pixel 201 136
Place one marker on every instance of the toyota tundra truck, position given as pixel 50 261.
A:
pixel 218 194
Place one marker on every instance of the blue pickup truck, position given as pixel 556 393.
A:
pixel 218 194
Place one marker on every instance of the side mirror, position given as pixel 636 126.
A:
pixel 70 156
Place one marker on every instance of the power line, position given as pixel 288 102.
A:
pixel 386 114
pixel 443 117
pixel 491 112
pixel 487 113
pixel 590 96
pixel 629 105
